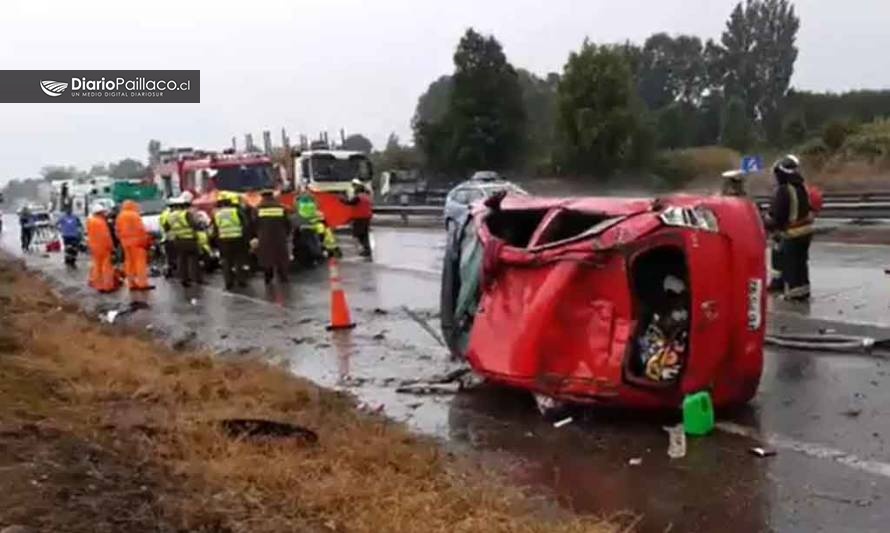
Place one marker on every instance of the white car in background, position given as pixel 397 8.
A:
pixel 483 184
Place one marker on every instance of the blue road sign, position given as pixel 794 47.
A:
pixel 751 164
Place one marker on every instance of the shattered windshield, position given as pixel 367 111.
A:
pixel 329 168
pixel 245 178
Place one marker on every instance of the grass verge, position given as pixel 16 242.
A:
pixel 104 431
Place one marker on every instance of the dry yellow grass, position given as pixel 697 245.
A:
pixel 364 475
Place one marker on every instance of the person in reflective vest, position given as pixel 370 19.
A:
pixel 790 222
pixel 183 231
pixel 71 231
pixel 135 241
pixel 228 228
pixel 173 204
pixel 311 219
pixel 102 276
pixel 273 230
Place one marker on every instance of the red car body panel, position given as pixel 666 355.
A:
pixel 559 319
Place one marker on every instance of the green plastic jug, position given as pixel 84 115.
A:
pixel 698 413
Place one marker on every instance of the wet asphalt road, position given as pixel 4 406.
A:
pixel 825 414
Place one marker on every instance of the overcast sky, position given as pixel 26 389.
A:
pixel 359 64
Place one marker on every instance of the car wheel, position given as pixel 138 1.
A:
pixel 449 291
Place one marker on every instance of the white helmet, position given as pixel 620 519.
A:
pixel 97 207
pixel 186 197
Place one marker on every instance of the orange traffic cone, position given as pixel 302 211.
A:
pixel 340 318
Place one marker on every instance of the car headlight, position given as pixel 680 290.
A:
pixel 698 217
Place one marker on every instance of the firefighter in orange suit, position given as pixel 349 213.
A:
pixel 101 246
pixel 135 241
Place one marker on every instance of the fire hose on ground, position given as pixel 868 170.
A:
pixel 827 342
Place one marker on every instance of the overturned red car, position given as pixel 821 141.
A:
pixel 627 302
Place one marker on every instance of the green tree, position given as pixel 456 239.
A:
pixel 127 169
pixel 539 101
pixel 675 126
pixel 433 105
pixel 737 130
pixel 670 69
pixel 756 56
pixel 358 142
pixel 596 119
pixel 486 115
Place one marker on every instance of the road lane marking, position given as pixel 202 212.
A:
pixel 817 451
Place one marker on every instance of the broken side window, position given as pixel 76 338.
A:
pixel 516 228
pixel 660 281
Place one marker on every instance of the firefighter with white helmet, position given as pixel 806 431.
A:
pixel 790 221
pixel 182 228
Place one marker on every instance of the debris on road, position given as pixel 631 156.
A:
pixel 548 406
pixel 193 301
pixel 698 414
pixel 423 324
pixel 380 336
pixel 760 451
pixel 111 315
pixel 429 389
pixel 635 461
pixel 379 311
pixel 858 502
pixel 184 341
pixel 254 428
pixel 852 412
pixel 563 422
pixel 676 441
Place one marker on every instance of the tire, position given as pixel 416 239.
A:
pixel 450 289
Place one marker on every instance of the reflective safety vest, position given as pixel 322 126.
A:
pixel 271 212
pixel 798 224
pixel 204 242
pixel 180 229
pixel 163 221
pixel 228 223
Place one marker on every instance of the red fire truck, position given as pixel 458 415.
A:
pixel 205 174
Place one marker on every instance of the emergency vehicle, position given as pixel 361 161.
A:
pixel 205 174
pixel 329 175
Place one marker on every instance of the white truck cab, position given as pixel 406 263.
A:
pixel 325 170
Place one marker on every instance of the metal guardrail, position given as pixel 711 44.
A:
pixel 415 210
